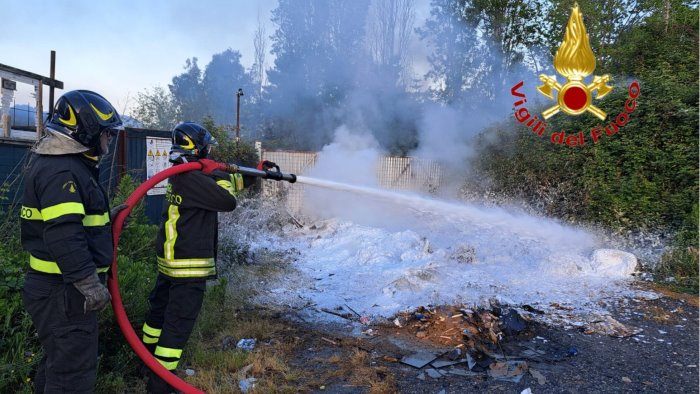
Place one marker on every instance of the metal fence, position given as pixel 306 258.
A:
pixel 395 173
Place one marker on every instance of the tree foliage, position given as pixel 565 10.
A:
pixel 646 175
pixel 156 109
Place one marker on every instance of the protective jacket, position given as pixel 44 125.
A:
pixel 66 224
pixel 188 234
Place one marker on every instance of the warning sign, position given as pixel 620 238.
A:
pixel 157 151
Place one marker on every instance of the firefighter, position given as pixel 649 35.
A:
pixel 66 230
pixel 186 248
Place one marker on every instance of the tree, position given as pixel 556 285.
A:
pixel 187 92
pixel 156 109
pixel 646 175
pixel 258 69
pixel 512 28
pixel 454 57
pixel 223 76
pixel 389 27
pixel 318 48
pixel 478 43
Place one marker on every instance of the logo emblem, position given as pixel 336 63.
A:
pixel 575 61
pixel 70 185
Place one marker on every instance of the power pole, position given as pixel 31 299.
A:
pixel 239 93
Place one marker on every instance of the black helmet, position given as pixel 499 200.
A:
pixel 84 115
pixel 192 141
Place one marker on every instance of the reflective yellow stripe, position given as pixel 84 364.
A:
pixel 50 267
pixel 168 352
pixel 237 180
pixel 96 220
pixel 149 340
pixel 154 332
pixel 59 210
pixel 227 186
pixel 186 273
pixel 169 365
pixel 187 263
pixel 29 213
pixel 171 231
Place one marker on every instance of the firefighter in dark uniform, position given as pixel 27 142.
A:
pixel 186 248
pixel 66 230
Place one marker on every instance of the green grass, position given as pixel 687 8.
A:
pixel 681 264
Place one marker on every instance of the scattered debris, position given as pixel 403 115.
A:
pixel 510 371
pixel 329 341
pixel 421 376
pixel 462 372
pixel 364 320
pixel 189 372
pixel 397 323
pixel 512 323
pixel 530 309
pixel 454 354
pixel 353 311
pixel 433 373
pixel 246 384
pixel 626 379
pixel 526 391
pixel 346 316
pixel 247 344
pixel 419 360
pixel 537 375
pixel 606 325
pixel 228 343
pixel 369 332
pixel 572 351
pixel 446 363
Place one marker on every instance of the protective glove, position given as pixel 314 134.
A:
pixel 115 211
pixel 96 294
pixel 266 165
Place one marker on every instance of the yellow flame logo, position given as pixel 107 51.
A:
pixel 575 61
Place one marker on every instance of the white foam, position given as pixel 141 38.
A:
pixel 472 259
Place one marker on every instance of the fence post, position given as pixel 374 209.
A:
pixel 39 110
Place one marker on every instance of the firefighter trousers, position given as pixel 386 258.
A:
pixel 169 322
pixel 67 334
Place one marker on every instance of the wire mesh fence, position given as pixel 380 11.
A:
pixel 395 173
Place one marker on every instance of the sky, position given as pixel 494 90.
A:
pixel 118 48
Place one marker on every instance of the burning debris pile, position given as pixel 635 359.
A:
pixel 473 341
pixel 498 342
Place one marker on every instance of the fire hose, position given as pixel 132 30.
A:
pixel 120 314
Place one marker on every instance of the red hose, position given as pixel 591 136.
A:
pixel 113 283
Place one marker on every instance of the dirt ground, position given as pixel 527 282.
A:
pixel 343 357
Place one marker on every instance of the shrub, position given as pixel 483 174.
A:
pixel 20 347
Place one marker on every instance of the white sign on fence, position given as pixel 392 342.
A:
pixel 156 161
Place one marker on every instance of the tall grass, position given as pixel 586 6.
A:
pixel 19 347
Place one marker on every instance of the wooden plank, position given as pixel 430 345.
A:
pixel 45 80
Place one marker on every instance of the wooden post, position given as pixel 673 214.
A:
pixel 53 76
pixel 39 110
pixel 5 102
